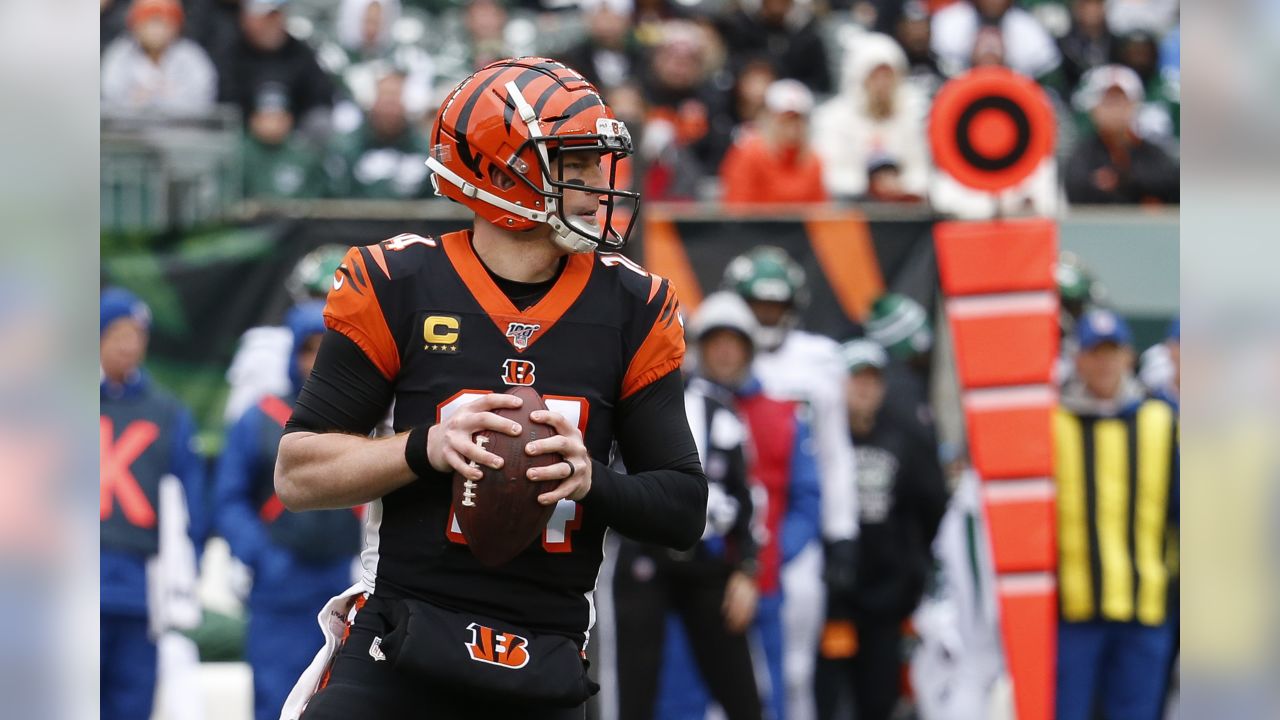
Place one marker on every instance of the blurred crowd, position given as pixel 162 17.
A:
pixel 843 550
pixel 756 101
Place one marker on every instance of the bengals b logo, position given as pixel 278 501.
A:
pixel 497 648
pixel 517 372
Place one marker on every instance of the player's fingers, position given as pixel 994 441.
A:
pixel 461 465
pixel 562 470
pixel 473 451
pixel 492 401
pixel 564 490
pixel 475 422
pixel 554 444
pixel 555 420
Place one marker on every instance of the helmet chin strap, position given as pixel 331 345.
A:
pixel 568 238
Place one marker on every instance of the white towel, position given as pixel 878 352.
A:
pixel 334 618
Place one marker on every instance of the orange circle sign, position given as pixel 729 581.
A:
pixel 990 128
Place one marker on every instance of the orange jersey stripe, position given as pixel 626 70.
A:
pixel 353 310
pixel 662 350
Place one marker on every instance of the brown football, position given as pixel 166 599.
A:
pixel 499 514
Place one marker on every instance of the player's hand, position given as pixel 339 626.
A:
pixel 451 444
pixel 740 598
pixel 575 471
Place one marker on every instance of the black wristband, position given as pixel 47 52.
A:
pixel 415 451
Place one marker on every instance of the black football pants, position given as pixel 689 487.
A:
pixel 646 585
pixel 870 681
pixel 363 688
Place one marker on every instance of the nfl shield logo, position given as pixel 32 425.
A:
pixel 520 334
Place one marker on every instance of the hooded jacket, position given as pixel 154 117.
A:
pixel 846 136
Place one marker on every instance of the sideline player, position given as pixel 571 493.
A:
pixel 443 326
pixel 804 367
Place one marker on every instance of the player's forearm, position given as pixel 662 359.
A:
pixel 317 471
pixel 666 507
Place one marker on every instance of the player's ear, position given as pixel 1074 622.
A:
pixel 500 179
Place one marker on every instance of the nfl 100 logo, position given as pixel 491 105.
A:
pixel 519 333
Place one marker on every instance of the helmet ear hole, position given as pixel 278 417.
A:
pixel 500 179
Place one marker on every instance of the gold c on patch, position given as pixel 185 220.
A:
pixel 440 333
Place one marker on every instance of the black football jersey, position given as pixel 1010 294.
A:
pixel 431 319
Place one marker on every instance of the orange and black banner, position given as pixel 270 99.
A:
pixel 848 260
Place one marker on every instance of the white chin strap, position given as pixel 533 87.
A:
pixel 562 233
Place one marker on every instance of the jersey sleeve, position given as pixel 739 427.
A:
pixel 661 347
pixel 355 310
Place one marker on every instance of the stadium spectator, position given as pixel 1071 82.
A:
pixel 486 23
pixel 146 440
pixel 787 34
pixel 278 163
pixel 298 560
pixel 775 164
pixel 384 158
pixel 687 130
pixel 1158 115
pixel 785 468
pixel 366 51
pixel 804 367
pixel 1113 164
pixel 609 55
pixel 1115 465
pixel 364 26
pixel 875 113
pixel 1029 49
pixel 1087 44
pixel 884 182
pixel 627 101
pixel 268 62
pixel 913 33
pixel 215 24
pixel 902 496
pixel 153 70
pixel 747 94
pixel 988 48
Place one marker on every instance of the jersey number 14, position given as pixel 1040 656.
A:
pixel 567 517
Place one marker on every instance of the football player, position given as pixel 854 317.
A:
pixel 533 296
pixel 804 367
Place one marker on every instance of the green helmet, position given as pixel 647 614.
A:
pixel 1075 282
pixel 766 273
pixel 312 277
pixel 900 325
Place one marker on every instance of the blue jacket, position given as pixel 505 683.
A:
pixel 295 557
pixel 123 570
